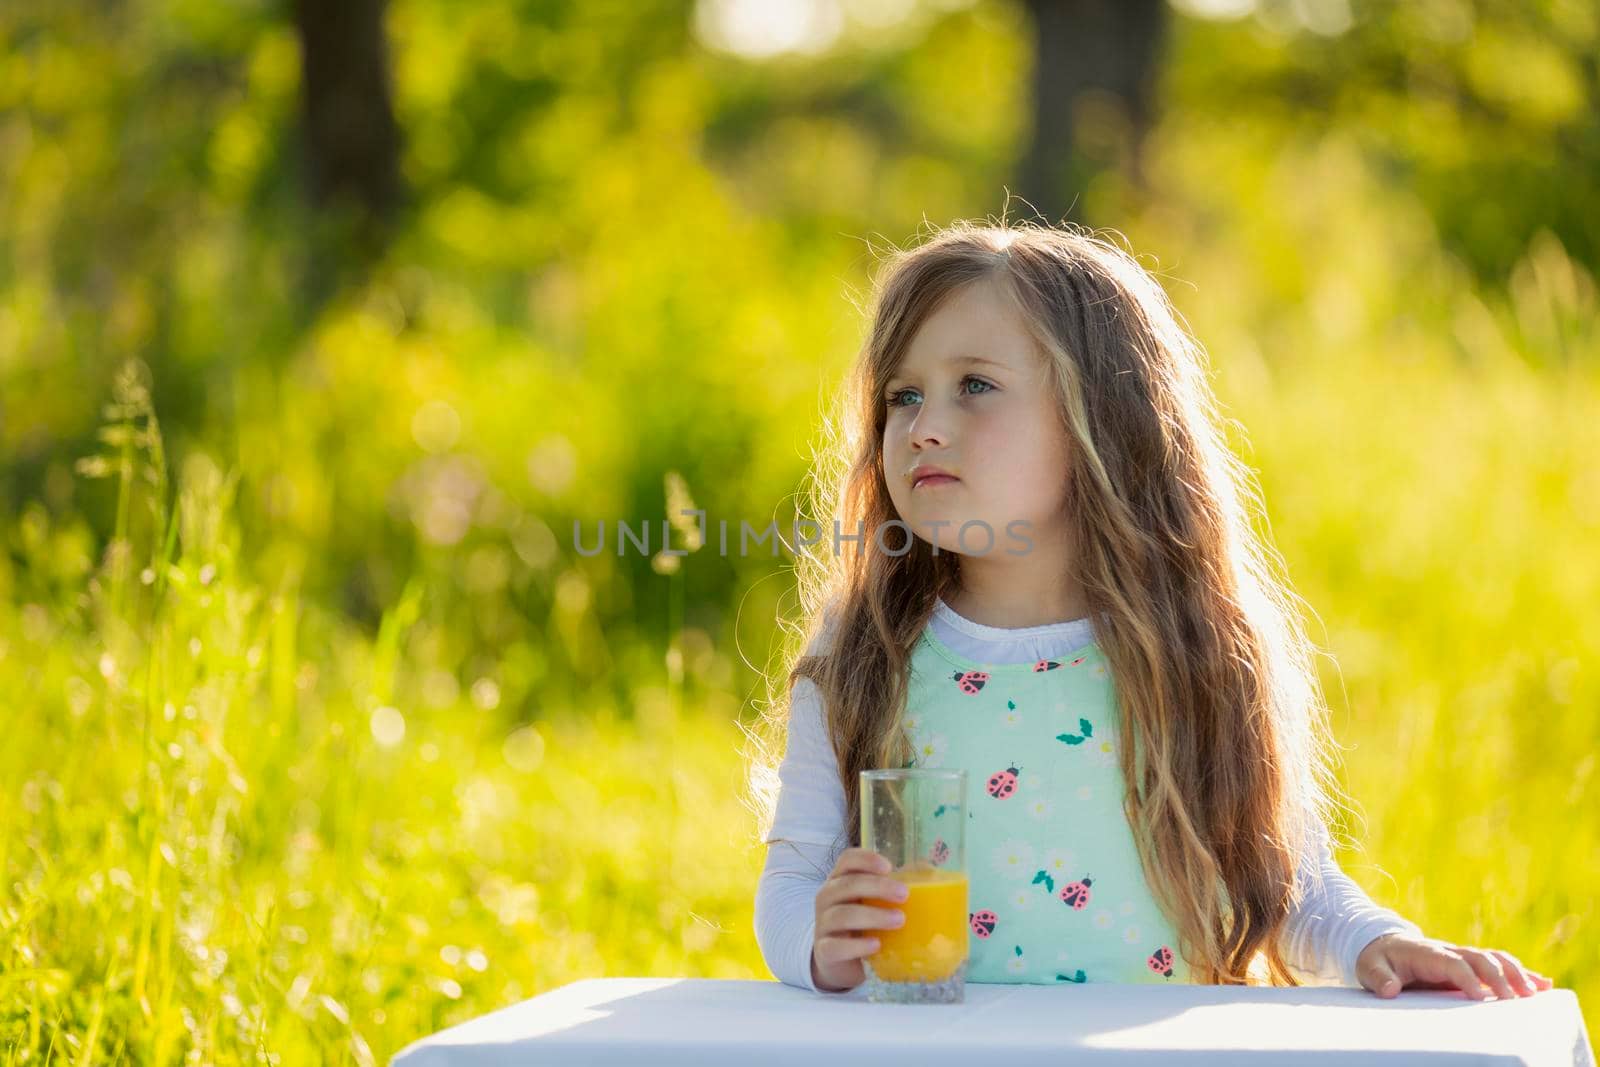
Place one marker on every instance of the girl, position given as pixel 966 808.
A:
pixel 1042 569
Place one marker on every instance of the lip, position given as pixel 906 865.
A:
pixel 928 476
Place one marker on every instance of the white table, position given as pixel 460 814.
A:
pixel 704 1022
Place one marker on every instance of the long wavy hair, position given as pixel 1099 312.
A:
pixel 1230 770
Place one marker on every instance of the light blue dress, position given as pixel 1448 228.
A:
pixel 1057 892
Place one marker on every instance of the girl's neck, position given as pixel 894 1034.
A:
pixel 1016 605
pixel 1016 591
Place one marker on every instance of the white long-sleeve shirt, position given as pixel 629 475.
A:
pixel 1321 940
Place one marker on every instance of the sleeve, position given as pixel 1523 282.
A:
pixel 808 833
pixel 811 803
pixel 786 917
pixel 1334 921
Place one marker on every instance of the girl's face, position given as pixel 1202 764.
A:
pixel 971 397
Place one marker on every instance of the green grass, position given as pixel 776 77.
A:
pixel 210 851
pixel 238 826
pixel 318 739
pixel 208 848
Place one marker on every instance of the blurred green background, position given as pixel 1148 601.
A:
pixel 320 325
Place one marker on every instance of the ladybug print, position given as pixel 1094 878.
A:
pixel 969 682
pixel 1160 961
pixel 983 922
pixel 1045 665
pixel 939 852
pixel 1002 784
pixel 1077 661
pixel 1076 894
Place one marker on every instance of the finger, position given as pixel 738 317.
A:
pixel 850 887
pixel 1519 976
pixel 1382 980
pixel 1490 970
pixel 1464 977
pixel 830 950
pixel 861 859
pixel 876 887
pixel 1442 968
pixel 850 861
pixel 861 917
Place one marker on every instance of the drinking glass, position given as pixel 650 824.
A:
pixel 916 817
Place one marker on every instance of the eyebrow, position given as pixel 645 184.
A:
pixel 962 361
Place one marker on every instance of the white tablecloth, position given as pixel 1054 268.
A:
pixel 704 1022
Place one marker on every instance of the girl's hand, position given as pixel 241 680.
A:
pixel 836 947
pixel 1399 961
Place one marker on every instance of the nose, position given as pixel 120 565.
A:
pixel 928 428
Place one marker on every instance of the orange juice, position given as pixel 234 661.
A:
pixel 933 941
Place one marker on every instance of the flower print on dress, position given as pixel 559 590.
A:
pixel 1031 788
pixel 1013 858
pixel 1058 863
pixel 1056 867
pixel 1017 964
pixel 1006 732
pixel 1085 731
pixel 1039 807
pixel 929 751
pixel 1066 974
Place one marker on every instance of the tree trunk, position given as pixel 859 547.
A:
pixel 1096 59
pixel 352 143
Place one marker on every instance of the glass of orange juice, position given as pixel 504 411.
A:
pixel 916 818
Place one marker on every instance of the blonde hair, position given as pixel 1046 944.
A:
pixel 1229 770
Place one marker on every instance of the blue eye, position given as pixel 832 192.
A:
pixel 895 399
